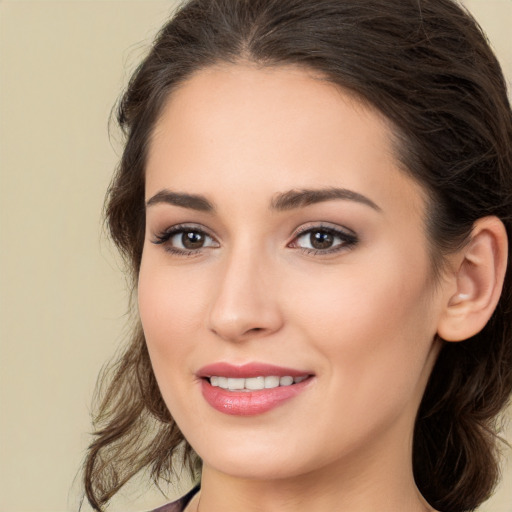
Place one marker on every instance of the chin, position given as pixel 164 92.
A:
pixel 254 460
pixel 267 467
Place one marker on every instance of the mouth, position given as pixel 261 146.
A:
pixel 254 383
pixel 251 389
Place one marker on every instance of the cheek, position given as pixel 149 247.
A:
pixel 374 343
pixel 170 309
pixel 374 324
pixel 168 301
pixel 356 303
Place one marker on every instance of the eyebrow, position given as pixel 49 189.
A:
pixel 283 201
pixel 192 201
pixel 300 198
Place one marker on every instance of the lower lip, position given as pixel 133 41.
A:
pixel 249 403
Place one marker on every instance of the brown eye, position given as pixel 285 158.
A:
pixel 192 239
pixel 321 240
pixel 325 240
pixel 184 240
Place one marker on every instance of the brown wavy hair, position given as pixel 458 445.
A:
pixel 427 66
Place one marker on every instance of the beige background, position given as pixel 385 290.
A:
pixel 63 298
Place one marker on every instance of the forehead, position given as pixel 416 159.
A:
pixel 288 104
pixel 271 129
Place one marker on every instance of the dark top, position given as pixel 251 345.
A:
pixel 179 505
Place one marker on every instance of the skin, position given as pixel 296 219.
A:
pixel 363 319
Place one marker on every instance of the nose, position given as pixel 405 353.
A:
pixel 245 303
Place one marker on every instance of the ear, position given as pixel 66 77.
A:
pixel 478 278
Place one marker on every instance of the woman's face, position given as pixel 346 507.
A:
pixel 284 243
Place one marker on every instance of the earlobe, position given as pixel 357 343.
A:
pixel 479 279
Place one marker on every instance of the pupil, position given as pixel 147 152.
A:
pixel 321 240
pixel 192 240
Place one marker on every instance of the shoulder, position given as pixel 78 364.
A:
pixel 178 505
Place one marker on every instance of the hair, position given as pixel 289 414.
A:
pixel 427 66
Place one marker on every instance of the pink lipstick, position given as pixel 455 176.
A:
pixel 252 388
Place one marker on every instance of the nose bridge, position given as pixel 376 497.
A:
pixel 244 303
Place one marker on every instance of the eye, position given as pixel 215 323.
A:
pixel 184 240
pixel 324 240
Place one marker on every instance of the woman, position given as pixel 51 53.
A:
pixel 314 200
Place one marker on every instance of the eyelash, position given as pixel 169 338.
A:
pixel 347 239
pixel 165 236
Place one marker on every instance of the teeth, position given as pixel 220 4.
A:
pixel 254 383
pixel 236 383
pixel 286 381
pixel 271 382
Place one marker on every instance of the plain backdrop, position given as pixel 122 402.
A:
pixel 63 297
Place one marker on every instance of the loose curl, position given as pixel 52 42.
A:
pixel 427 66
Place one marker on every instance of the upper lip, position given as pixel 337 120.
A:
pixel 254 369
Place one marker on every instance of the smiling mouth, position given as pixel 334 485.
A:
pixel 254 383
pixel 251 389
